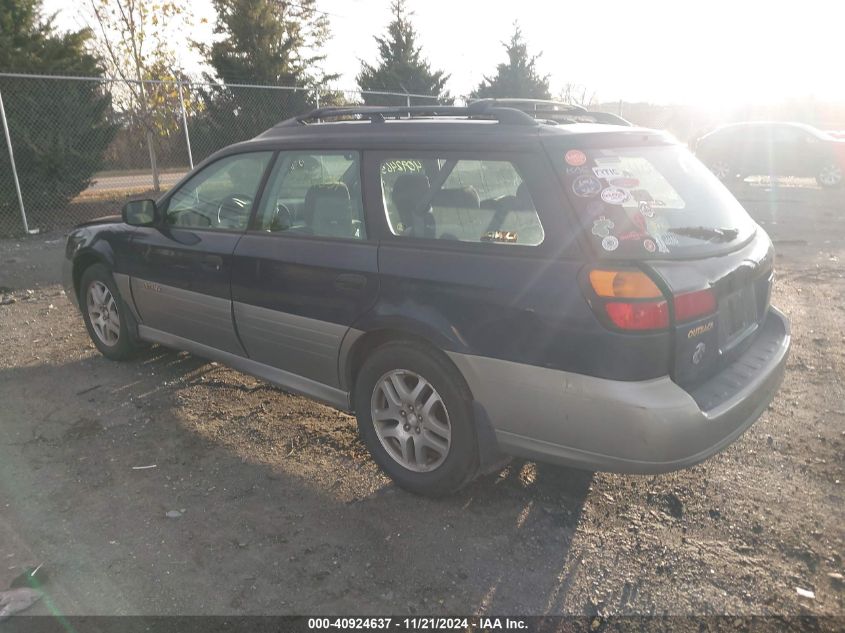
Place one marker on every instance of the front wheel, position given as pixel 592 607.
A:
pixel 830 175
pixel 106 316
pixel 414 414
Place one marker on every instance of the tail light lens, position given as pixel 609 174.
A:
pixel 646 315
pixel 693 305
pixel 630 299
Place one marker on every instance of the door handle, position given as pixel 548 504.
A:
pixel 212 263
pixel 350 281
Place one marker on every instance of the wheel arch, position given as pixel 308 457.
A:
pixel 364 344
pixel 489 454
pixel 84 260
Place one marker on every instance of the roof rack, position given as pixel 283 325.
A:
pixel 378 114
pixel 531 105
pixel 554 111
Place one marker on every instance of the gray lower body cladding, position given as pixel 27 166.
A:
pixel 549 415
pixel 650 426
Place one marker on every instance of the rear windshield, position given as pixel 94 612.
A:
pixel 652 201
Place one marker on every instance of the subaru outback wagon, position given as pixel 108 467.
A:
pixel 472 283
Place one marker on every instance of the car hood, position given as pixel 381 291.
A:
pixel 106 219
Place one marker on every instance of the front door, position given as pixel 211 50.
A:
pixel 181 270
pixel 307 270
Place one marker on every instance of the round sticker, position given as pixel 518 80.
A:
pixel 649 245
pixel 586 186
pixel 610 243
pixel 614 195
pixel 575 157
pixel 625 183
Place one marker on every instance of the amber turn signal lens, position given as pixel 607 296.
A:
pixel 623 284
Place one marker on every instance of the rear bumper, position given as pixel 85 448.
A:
pixel 650 426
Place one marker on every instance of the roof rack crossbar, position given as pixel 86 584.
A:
pixel 532 105
pixel 553 111
pixel 378 114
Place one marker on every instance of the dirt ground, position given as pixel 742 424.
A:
pixel 281 511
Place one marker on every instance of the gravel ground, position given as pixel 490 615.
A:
pixel 171 485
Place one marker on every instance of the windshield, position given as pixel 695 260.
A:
pixel 652 201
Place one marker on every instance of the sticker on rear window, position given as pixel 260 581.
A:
pixel 610 243
pixel 401 166
pixel 607 172
pixel 586 186
pixel 614 195
pixel 575 157
pixel 649 245
pixel 602 226
pixel 624 183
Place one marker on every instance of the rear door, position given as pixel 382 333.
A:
pixel 181 271
pixel 477 255
pixel 308 268
pixel 788 150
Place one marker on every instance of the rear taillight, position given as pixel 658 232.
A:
pixel 693 305
pixel 645 315
pixel 630 299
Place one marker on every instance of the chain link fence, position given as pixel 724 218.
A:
pixel 81 146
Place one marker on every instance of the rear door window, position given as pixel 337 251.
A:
pixel 463 200
pixel 651 201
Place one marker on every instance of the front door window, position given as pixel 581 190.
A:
pixel 220 196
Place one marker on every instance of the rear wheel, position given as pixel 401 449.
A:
pixel 726 172
pixel 415 416
pixel 830 175
pixel 106 316
pixel 722 170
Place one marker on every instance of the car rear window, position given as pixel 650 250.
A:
pixel 651 201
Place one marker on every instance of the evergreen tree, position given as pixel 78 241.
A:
pixel 265 42
pixel 59 129
pixel 518 77
pixel 401 66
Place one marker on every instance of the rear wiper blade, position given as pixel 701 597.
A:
pixel 707 233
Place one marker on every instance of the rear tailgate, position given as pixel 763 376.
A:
pixel 741 282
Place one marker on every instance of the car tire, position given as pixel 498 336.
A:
pixel 414 414
pixel 722 170
pixel 107 318
pixel 830 175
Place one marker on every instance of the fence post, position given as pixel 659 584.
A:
pixel 145 113
pixel 185 125
pixel 12 162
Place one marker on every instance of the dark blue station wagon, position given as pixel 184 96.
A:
pixel 471 282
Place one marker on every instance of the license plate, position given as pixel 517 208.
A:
pixel 737 314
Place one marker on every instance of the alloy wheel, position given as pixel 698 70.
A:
pixel 103 314
pixel 830 175
pixel 411 420
pixel 721 169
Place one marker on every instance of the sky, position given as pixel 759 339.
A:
pixel 704 52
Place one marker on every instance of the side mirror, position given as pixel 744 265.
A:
pixel 139 212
